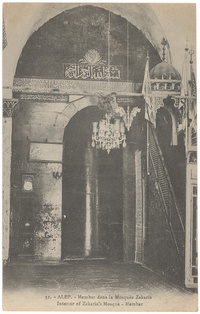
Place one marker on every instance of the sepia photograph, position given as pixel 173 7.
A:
pixel 99 161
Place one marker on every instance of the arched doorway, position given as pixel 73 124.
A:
pixel 44 56
pixel 92 194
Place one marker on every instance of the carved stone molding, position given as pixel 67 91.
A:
pixel 36 85
pixel 9 106
pixel 45 97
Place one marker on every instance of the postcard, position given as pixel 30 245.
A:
pixel 99 157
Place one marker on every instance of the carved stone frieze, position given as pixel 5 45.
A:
pixel 80 86
pixel 45 97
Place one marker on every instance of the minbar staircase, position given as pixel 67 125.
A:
pixel 167 195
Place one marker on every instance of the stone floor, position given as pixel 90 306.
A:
pixel 91 285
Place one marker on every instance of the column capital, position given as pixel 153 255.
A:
pixel 9 106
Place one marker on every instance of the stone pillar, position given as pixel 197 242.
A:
pixel 91 225
pixel 9 105
pixel 139 208
pixel 129 204
pixel 88 201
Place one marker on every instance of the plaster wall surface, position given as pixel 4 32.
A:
pixel 41 123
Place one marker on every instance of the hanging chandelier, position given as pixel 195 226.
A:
pixel 107 135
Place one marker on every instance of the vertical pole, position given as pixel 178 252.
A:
pixel 109 50
pixel 127 51
pixel 186 127
pixel 147 148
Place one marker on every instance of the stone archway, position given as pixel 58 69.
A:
pixel 45 123
pixel 92 222
pixel 35 15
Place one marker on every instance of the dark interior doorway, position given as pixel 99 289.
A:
pixel 92 223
